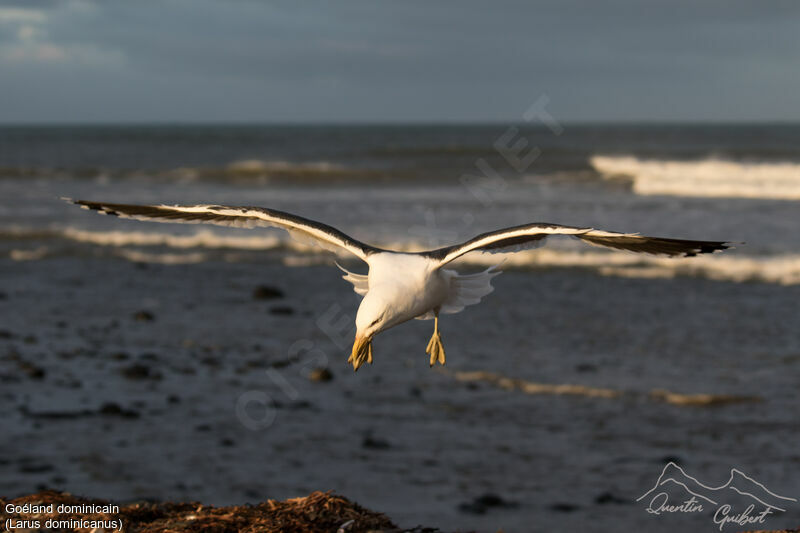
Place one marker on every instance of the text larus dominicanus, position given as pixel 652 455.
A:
pixel 401 286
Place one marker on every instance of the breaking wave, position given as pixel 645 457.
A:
pixel 781 269
pixel 206 245
pixel 201 239
pixel 259 168
pixel 246 170
pixel 707 177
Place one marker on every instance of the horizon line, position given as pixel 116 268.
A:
pixel 396 123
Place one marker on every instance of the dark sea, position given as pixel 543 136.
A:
pixel 413 187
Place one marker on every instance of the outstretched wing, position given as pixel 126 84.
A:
pixel 303 229
pixel 533 235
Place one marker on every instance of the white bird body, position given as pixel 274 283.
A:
pixel 401 286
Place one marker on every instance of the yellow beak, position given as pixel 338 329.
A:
pixel 362 351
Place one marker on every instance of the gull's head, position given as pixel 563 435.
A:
pixel 373 315
pixel 372 318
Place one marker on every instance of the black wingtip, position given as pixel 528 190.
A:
pixel 707 248
pixel 83 203
pixel 710 248
pixel 103 209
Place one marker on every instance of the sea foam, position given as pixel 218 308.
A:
pixel 707 177
pixel 783 269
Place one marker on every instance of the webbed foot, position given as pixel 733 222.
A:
pixel 435 347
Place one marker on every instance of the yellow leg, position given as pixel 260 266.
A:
pixel 435 347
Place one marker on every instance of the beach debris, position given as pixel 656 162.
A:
pixel 484 503
pixel 31 370
pixel 702 400
pixel 114 409
pixel 605 498
pixel 585 367
pixel 30 466
pixel 107 409
pixel 316 513
pixel 346 526
pixel 561 507
pixel 530 387
pixel 265 292
pixel 138 371
pixel 375 443
pixel 321 375
pixel 144 316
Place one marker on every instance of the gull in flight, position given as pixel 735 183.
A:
pixel 401 286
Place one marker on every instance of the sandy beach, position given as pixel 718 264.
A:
pixel 202 382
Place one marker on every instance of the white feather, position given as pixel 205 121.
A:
pixel 465 290
pixel 360 281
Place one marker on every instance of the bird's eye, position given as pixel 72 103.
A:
pixel 375 322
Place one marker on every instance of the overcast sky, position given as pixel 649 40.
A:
pixel 303 61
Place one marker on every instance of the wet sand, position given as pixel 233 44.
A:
pixel 204 382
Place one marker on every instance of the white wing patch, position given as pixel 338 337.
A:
pixel 507 240
pixel 307 239
pixel 533 235
pixel 360 281
pixel 304 230
pixel 513 248
pixel 465 290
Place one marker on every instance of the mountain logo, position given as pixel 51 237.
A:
pixel 741 500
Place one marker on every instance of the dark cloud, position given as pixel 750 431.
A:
pixel 360 60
